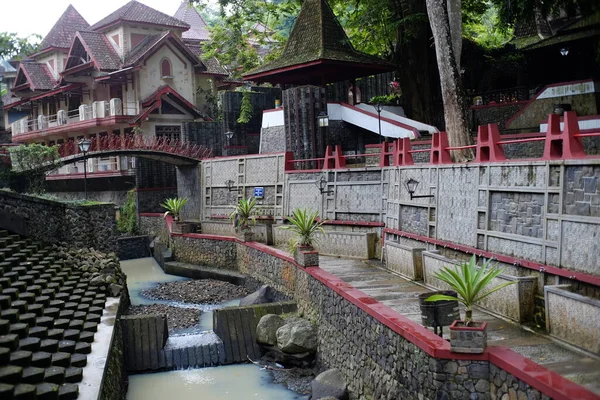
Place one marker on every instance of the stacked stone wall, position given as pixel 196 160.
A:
pixel 53 222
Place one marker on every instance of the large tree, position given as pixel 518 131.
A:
pixel 13 46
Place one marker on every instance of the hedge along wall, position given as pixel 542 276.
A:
pixel 382 354
pixel 55 222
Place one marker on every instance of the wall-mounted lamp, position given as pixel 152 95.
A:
pixel 228 135
pixel 411 186
pixel 232 188
pixel 322 184
pixel 323 119
pixel 564 52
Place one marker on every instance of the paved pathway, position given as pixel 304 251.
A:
pixel 402 296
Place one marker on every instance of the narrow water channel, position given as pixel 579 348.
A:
pixel 246 381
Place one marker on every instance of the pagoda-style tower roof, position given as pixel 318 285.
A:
pixel 318 51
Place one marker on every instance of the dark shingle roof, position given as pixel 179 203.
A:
pixel 212 65
pixel 62 33
pixel 140 13
pixel 145 45
pixel 316 35
pixel 38 75
pixel 100 50
pixel 198 28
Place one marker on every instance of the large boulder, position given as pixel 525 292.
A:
pixel 262 295
pixel 329 384
pixel 297 336
pixel 266 330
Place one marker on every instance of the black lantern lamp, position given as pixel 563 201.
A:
pixel 84 146
pixel 411 186
pixel 322 185
pixel 228 135
pixel 323 119
pixel 230 186
pixel 379 109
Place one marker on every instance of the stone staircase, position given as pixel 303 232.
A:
pixel 49 314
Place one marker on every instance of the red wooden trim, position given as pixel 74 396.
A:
pixel 157 215
pixel 155 189
pixel 385 119
pixel 273 110
pixel 579 118
pixel 594 280
pixel 78 68
pixel 490 105
pixel 63 89
pixel 299 171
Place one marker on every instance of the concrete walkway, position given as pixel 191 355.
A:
pixel 402 296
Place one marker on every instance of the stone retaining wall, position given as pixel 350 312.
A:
pixel 54 222
pixel 405 260
pixel 131 247
pixel 210 252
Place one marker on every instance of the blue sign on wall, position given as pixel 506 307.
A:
pixel 259 192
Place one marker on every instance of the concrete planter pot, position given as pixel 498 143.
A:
pixel 306 256
pixel 182 227
pixel 245 235
pixel 468 339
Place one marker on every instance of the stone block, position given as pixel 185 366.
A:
pixel 405 260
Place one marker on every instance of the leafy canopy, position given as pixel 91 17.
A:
pixel 31 161
pixel 13 46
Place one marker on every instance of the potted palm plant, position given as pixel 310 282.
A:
pixel 305 225
pixel 470 283
pixel 174 206
pixel 241 217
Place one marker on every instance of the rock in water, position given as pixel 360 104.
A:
pixel 329 384
pixel 262 295
pixel 266 330
pixel 297 336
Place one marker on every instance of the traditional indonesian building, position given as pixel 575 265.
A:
pixel 136 69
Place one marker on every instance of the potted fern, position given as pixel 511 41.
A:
pixel 470 283
pixel 305 225
pixel 174 206
pixel 241 217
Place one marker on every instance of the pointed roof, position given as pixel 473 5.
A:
pixel 101 52
pixel 318 51
pixel 154 101
pixel 139 13
pixel 35 76
pixel 198 28
pixel 213 67
pixel 62 33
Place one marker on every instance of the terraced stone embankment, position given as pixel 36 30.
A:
pixel 51 301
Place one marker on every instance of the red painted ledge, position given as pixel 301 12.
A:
pixel 535 375
pixel 154 215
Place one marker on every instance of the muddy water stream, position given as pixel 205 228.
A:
pixel 232 382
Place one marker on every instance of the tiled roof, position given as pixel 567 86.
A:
pixel 198 28
pixel 140 13
pixel 316 35
pixel 138 51
pixel 38 75
pixel 100 50
pixel 212 65
pixel 62 33
pixel 8 99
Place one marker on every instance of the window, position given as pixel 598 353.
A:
pixel 165 68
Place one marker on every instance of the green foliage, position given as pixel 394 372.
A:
pixel 304 224
pixel 29 161
pixel 469 283
pixel 390 99
pixel 243 214
pixel 486 29
pixel 212 102
pixel 245 109
pixel 12 46
pixel 127 222
pixel 173 206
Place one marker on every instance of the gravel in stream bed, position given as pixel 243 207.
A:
pixel 201 291
pixel 177 317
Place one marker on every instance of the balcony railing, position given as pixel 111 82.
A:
pixel 85 112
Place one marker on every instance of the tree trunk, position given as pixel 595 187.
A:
pixel 455 112
pixel 455 19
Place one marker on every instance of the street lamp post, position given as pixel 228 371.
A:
pixel 379 108
pixel 84 146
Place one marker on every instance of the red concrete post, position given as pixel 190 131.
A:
pixel 488 147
